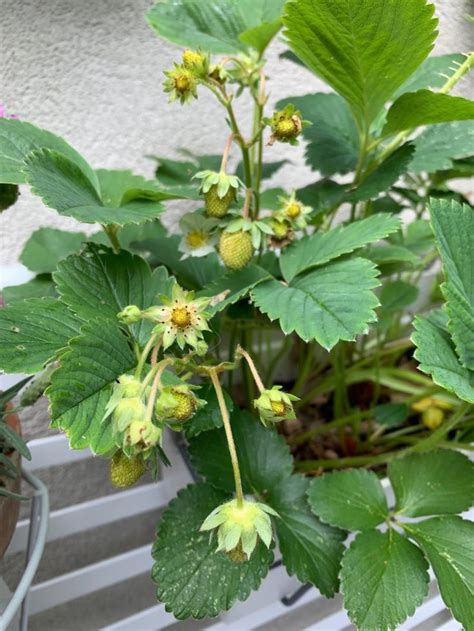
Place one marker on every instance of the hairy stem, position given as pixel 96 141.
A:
pixel 463 69
pixel 144 355
pixel 253 369
pixel 248 199
pixel 225 155
pixel 229 436
pixel 155 385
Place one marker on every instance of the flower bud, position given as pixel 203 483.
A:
pixel 195 61
pixel 127 411
pixel 274 406
pixel 130 314
pixel 141 436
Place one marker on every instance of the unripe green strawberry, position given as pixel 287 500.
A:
pixel 126 471
pixel 185 408
pixel 177 403
pixel 218 206
pixel 286 125
pixel 236 249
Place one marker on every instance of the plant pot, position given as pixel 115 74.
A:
pixel 9 507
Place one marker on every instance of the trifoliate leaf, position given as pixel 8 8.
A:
pixel 200 23
pixel 323 247
pixel 100 284
pixel 384 578
pixel 82 385
pixel 438 145
pixel 117 188
pixel 352 499
pixel 33 332
pixel 415 109
pixel 234 286
pixel 18 139
pixel 62 185
pixel 310 549
pixel 437 357
pixel 47 246
pixel 385 175
pixel 395 296
pixel 193 580
pixel 351 44
pixel 331 303
pixel 388 255
pixel 39 287
pixel 434 483
pixel 453 226
pixel 264 457
pixel 448 542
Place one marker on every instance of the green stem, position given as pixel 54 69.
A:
pixel 154 387
pixel 339 463
pixel 253 369
pixel 299 439
pixel 230 438
pixel 144 355
pixel 277 358
pixel 437 436
pixel 363 152
pixel 463 69
pixel 243 145
pixel 111 231
pixel 305 370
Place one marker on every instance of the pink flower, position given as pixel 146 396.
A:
pixel 3 113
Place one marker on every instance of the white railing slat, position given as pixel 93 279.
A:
pixel 335 622
pixel 98 512
pixel 153 619
pixel 89 579
pixel 52 451
pixel 430 608
pixel 450 625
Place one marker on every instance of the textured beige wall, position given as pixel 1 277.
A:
pixel 92 72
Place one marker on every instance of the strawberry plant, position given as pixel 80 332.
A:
pixel 136 330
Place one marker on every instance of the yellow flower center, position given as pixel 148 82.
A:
pixel 196 239
pixel 293 210
pixel 278 408
pixel 181 317
pixel 182 83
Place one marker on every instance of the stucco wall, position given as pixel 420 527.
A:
pixel 92 72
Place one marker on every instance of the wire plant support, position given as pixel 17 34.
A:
pixel 39 517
